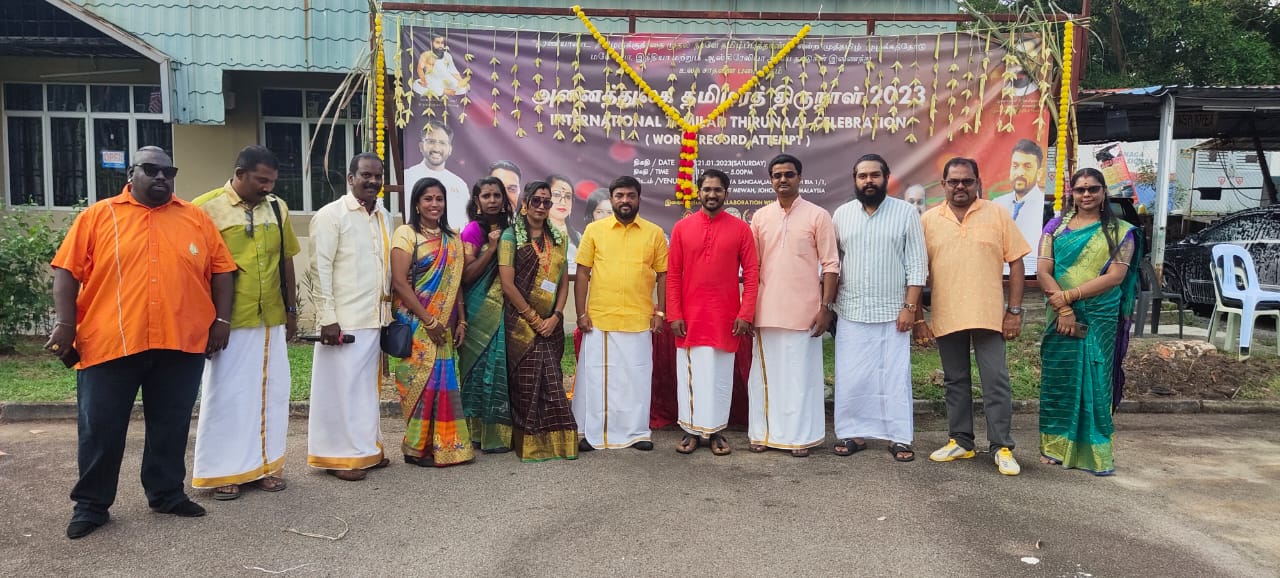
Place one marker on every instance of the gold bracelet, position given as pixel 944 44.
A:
pixel 1066 311
pixel 918 321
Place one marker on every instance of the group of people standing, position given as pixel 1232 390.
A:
pixel 148 286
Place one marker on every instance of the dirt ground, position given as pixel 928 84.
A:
pixel 1212 377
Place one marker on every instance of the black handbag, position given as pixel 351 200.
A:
pixel 396 337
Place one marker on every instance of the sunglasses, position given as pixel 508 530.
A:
pixel 540 203
pixel 152 170
pixel 785 175
pixel 954 183
pixel 1092 190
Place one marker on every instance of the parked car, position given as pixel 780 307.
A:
pixel 1257 230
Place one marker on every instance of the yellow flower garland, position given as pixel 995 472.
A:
pixel 380 91
pixel 689 143
pixel 1064 103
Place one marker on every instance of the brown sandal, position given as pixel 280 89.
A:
pixel 271 484
pixel 800 453
pixel 688 443
pixel 226 493
pixel 719 445
pixel 348 475
pixel 757 448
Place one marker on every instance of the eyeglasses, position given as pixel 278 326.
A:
pixel 152 170
pixel 712 190
pixel 248 216
pixel 1092 190
pixel 557 197
pixel 540 202
pixel 785 175
pixel 955 183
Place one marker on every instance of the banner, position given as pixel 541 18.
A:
pixel 533 104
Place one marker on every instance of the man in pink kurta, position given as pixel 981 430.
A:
pixel 707 316
pixel 799 270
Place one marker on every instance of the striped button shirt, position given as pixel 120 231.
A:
pixel 880 255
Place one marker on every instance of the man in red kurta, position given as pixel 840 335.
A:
pixel 707 316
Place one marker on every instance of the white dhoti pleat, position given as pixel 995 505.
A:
pixel 343 428
pixel 244 410
pixel 704 389
pixel 613 387
pixel 786 393
pixel 873 381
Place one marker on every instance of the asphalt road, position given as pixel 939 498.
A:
pixel 1195 495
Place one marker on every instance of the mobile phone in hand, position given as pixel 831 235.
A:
pixel 71 358
pixel 1081 330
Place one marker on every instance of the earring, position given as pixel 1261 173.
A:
pixel 524 211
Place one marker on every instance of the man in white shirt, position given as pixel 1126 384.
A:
pixel 351 290
pixel 436 146
pixel 1026 202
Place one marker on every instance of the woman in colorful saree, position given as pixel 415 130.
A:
pixel 426 271
pixel 1087 268
pixel 483 354
pixel 531 265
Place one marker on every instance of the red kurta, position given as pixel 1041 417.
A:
pixel 702 279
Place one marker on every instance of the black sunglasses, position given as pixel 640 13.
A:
pixel 152 170
pixel 540 202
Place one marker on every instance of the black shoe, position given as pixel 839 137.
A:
pixel 81 528
pixel 643 446
pixel 423 462
pixel 584 446
pixel 186 509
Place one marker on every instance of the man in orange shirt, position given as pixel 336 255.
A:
pixel 969 240
pixel 142 288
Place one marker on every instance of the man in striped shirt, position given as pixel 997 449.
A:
pixel 883 268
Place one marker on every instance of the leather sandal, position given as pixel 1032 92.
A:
pixel 348 475
pixel 226 493
pixel 719 445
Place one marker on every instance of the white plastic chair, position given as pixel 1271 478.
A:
pixel 1239 297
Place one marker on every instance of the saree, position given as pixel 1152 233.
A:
pixel 483 358
pixel 1078 375
pixel 427 380
pixel 542 417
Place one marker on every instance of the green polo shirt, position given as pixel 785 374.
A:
pixel 256 251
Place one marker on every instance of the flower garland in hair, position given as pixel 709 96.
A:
pixel 379 93
pixel 1064 104
pixel 685 191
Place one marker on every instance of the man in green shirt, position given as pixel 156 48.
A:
pixel 244 401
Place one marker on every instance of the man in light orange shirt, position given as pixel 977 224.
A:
pixel 142 288
pixel 799 270
pixel 969 240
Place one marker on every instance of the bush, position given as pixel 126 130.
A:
pixel 28 242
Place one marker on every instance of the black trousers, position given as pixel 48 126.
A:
pixel 105 392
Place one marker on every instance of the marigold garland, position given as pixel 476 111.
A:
pixel 685 191
pixel 1064 102
pixel 380 91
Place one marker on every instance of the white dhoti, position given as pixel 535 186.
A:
pixel 704 389
pixel 612 388
pixel 244 410
pixel 343 430
pixel 873 381
pixel 786 392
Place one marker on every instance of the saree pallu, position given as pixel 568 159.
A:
pixel 428 379
pixel 1076 390
pixel 543 424
pixel 483 359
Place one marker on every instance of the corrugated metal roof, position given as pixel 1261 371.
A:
pixel 207 37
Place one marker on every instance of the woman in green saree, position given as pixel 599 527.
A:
pixel 1085 271
pixel 531 264
pixel 483 356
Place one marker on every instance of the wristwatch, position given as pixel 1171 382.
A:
pixel 288 309
pixel 909 307
pixel 1014 310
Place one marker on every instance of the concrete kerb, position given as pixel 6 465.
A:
pixel 12 412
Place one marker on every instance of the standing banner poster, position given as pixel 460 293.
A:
pixel 525 105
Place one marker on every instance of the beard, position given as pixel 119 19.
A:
pixel 439 53
pixel 873 198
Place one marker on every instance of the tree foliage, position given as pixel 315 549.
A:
pixel 1189 42
pixel 27 244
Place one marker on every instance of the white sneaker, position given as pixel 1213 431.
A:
pixel 951 451
pixel 1008 466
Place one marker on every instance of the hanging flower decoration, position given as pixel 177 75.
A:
pixel 380 91
pixel 685 191
pixel 1064 102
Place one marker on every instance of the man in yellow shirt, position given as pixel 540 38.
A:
pixel 628 256
pixel 244 401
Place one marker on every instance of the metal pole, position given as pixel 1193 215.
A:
pixel 1165 162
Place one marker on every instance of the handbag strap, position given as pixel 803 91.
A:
pixel 284 293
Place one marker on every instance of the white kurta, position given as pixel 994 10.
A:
pixel 343 430
pixel 613 388
pixel 786 393
pixel 873 381
pixel 704 389
pixel 244 410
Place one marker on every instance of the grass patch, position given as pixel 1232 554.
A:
pixel 31 374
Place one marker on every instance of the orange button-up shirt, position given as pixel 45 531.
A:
pixel 144 277
pixel 966 264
